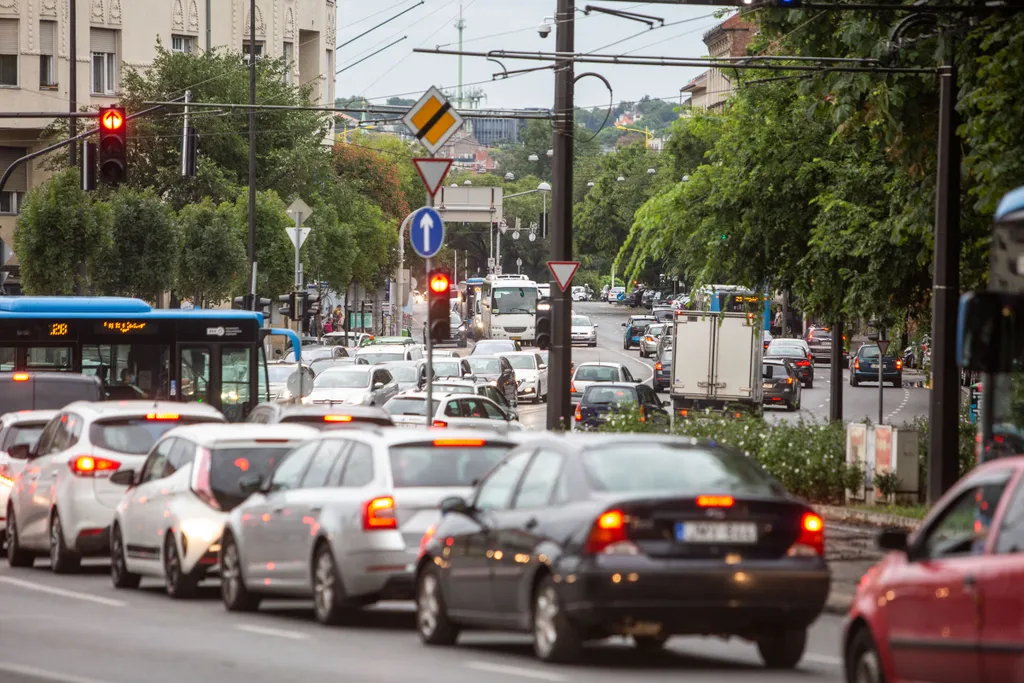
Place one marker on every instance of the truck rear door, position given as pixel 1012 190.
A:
pixel 692 354
pixel 737 375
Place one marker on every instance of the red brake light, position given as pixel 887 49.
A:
pixel 715 501
pixel 88 466
pixel 20 377
pixel 856 364
pixel 609 535
pixel 440 423
pixel 803 363
pixel 899 364
pixel 379 513
pixel 459 443
pixel 427 535
pixel 201 479
pixel 579 413
pixel 811 540
pixel 163 416
pixel 337 418
pixel 572 388
pixel 658 365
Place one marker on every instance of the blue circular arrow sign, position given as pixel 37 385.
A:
pixel 426 233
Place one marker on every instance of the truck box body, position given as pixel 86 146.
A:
pixel 716 361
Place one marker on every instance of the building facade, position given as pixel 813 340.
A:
pixel 711 89
pixel 113 35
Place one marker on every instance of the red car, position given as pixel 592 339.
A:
pixel 947 604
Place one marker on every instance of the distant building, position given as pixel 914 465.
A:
pixel 730 38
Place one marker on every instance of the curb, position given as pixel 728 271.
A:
pixel 880 519
pixel 838 603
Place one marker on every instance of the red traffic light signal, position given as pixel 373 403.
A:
pixel 113 147
pixel 112 119
pixel 439 283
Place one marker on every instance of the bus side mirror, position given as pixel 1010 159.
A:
pixel 990 333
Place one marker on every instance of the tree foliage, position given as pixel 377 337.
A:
pixel 141 253
pixel 275 255
pixel 212 261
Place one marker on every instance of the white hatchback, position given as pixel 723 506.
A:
pixel 19 428
pixel 62 503
pixel 170 521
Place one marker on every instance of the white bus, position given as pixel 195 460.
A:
pixel 508 309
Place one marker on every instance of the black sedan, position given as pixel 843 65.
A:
pixel 498 371
pixel 781 385
pixel 603 398
pixel 583 537
pixel 798 359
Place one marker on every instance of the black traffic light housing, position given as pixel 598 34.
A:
pixel 543 324
pixel 113 150
pixel 439 284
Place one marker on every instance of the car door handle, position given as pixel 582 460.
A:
pixel 316 509
pixel 969 582
pixel 531 524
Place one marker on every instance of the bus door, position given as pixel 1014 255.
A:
pixel 238 372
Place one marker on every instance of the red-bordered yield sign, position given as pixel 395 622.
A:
pixel 432 172
pixel 563 272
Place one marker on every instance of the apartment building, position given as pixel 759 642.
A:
pixel 115 34
pixel 711 89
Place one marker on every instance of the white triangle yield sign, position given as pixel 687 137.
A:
pixel 563 272
pixel 432 172
pixel 300 238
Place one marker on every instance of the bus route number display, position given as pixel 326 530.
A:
pixel 59 329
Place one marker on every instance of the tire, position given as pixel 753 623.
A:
pixel 236 595
pixel 853 381
pixel 432 622
pixel 791 407
pixel 328 593
pixel 16 555
pixel 594 345
pixel 555 639
pixel 898 383
pixel 810 385
pixel 650 644
pixel 62 559
pixel 179 585
pixel 119 574
pixel 862 664
pixel 783 649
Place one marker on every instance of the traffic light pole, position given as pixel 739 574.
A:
pixel 252 155
pixel 559 405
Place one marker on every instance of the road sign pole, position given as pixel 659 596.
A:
pixel 430 357
pixel 883 346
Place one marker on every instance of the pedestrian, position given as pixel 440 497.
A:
pixel 328 327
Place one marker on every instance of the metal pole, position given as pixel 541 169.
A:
pixel 559 408
pixel 73 78
pixel 252 150
pixel 185 146
pixel 835 408
pixel 455 260
pixel 490 251
pixel 497 252
pixel 943 463
pixel 430 352
pixel 881 366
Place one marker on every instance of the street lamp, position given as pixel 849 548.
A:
pixel 620 179
pixel 651 171
pixel 533 157
pixel 510 176
pixel 551 153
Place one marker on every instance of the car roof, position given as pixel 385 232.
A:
pixel 393 437
pixel 23 416
pixel 423 395
pixel 378 348
pixel 100 409
pixel 518 353
pixel 602 363
pixel 210 434
pixel 610 385
pixel 316 409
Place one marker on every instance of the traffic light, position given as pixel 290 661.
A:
pixel 543 325
pixel 285 305
pixel 439 306
pixel 113 145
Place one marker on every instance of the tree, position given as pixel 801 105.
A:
pixel 275 254
pixel 212 258
pixel 140 257
pixel 374 175
pixel 329 252
pixel 58 231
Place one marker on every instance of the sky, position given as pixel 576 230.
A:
pixel 512 25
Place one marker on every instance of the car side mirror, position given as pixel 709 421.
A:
pixel 623 324
pixel 456 504
pixel 21 451
pixel 378 385
pixel 893 539
pixel 666 404
pixel 250 483
pixel 123 478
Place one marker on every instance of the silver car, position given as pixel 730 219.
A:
pixel 387 353
pixel 531 375
pixel 455 368
pixel 590 373
pixel 19 428
pixel 583 331
pixel 361 385
pixel 650 338
pixel 342 518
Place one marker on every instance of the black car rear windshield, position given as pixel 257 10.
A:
pixel 430 465
pixel 674 469
pixel 230 465
pixel 45 394
pixel 787 352
pixel 773 371
pixel 135 435
pixel 614 396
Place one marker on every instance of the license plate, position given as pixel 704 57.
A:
pixel 768 385
pixel 515 337
pixel 636 338
pixel 716 532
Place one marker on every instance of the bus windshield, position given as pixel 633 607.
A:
pixel 511 300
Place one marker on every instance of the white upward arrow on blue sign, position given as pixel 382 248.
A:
pixel 427 232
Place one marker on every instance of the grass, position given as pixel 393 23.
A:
pixel 912 511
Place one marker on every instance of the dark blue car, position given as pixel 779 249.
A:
pixel 663 371
pixel 633 328
pixel 864 367
pixel 599 400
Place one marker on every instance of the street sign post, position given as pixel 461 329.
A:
pixel 563 272
pixel 432 172
pixel 300 211
pixel 433 120
pixel 883 346
pixel 426 234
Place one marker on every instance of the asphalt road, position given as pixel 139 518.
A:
pixel 79 629
pixel 900 406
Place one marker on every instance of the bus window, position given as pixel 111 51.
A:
pixel 234 383
pixel 264 383
pixel 195 374
pixel 130 371
pixel 8 357
pixel 50 358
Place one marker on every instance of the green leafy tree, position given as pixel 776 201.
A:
pixel 329 252
pixel 140 258
pixel 374 175
pixel 275 255
pixel 212 257
pixel 58 231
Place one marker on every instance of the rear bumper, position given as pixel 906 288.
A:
pixel 777 395
pixel 872 375
pixel 379 574
pixel 92 542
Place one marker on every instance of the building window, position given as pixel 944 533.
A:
pixel 245 50
pixel 186 44
pixel 9 52
pixel 47 68
pixel 17 183
pixel 289 62
pixel 104 61
pixel 9 202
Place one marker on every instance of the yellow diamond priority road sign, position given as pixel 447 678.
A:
pixel 433 120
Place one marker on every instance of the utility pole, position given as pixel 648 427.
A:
pixel 253 304
pixel 461 26
pixel 559 413
pixel 73 80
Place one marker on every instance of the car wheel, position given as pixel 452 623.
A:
pixel 236 595
pixel 62 559
pixel 328 593
pixel 862 663
pixel 809 385
pixel 119 574
pixel 555 639
pixel 853 380
pixel 650 643
pixel 178 584
pixel 16 555
pixel 784 649
pixel 898 383
pixel 432 622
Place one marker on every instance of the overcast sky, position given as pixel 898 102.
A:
pixel 511 24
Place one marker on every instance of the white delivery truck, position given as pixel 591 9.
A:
pixel 716 363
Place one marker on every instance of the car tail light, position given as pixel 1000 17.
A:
pixel 643 414
pixel 650 339
pixel 201 479
pixel 427 535
pixel 5 476
pixel 20 377
pixel 572 388
pixel 89 466
pixel 803 363
pixel 608 537
pixel 856 364
pixel 163 416
pixel 715 501
pixel 811 541
pixel 789 380
pixel 579 413
pixel 379 513
pixel 658 366
pixel 459 443
pixel 440 423
pixel 337 418
pixel 899 364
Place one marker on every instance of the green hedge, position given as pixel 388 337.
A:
pixel 808 458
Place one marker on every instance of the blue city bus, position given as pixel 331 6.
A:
pixel 734 299
pixel 209 356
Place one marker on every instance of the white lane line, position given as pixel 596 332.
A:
pixel 74 595
pixel 275 632
pixel 45 675
pixel 903 404
pixel 823 659
pixel 521 671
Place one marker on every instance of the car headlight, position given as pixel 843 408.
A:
pixel 202 530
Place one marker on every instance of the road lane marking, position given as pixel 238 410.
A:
pixel 54 676
pixel 521 671
pixel 823 659
pixel 275 632
pixel 74 595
